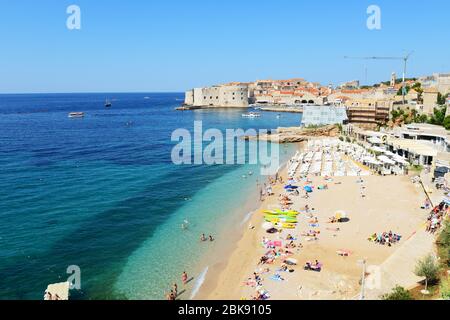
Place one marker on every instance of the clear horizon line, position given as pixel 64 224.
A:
pixel 87 92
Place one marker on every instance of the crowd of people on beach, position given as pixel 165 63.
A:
pixel 436 217
pixel 385 238
pixel 282 249
pixel 277 260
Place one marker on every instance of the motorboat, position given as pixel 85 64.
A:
pixel 251 115
pixel 76 115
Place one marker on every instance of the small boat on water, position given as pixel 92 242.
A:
pixel 76 115
pixel 251 115
pixel 108 103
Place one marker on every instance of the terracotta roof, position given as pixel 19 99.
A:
pixel 354 91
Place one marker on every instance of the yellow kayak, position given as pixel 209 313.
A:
pixel 289 225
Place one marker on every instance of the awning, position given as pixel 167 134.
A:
pixel 399 159
pixel 371 160
pixel 386 160
pixel 375 140
pixel 377 149
pixel 388 153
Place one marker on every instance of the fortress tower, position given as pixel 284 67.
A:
pixel 393 78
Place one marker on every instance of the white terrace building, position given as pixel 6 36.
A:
pixel 419 144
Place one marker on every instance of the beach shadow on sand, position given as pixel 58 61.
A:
pixel 184 290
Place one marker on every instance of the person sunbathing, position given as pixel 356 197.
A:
pixel 310 233
pixel 333 220
pixel 315 220
pixel 316 266
pixel 263 260
pixel 291 245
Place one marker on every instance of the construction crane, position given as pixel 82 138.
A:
pixel 405 63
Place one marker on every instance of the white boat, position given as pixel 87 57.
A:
pixel 251 115
pixel 76 115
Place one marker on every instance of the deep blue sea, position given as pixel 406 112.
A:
pixel 102 193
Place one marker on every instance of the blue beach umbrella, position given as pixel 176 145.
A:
pixel 308 189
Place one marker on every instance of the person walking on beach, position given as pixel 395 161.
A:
pixel 184 277
pixel 171 296
pixel 175 289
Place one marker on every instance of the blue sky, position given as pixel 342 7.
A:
pixel 175 45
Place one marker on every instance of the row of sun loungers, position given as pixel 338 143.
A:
pixel 324 158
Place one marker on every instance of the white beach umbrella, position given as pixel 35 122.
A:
pixel 267 226
pixel 340 214
pixel 291 261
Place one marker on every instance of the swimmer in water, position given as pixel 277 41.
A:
pixel 211 238
pixel 203 237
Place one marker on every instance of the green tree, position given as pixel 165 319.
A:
pixel 445 289
pixel 446 123
pixel 398 293
pixel 438 116
pixel 428 268
pixel 418 87
pixel 394 114
pixel 423 118
pixel 443 243
pixel 442 99
pixel 400 91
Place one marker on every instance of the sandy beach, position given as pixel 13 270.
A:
pixel 389 204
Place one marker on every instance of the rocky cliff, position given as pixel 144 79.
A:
pixel 297 134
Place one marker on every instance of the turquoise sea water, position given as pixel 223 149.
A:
pixel 102 193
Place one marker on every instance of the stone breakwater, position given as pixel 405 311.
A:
pixel 297 134
pixel 282 109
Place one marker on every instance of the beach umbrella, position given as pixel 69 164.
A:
pixel 340 214
pixel 291 261
pixel 290 187
pixel 267 226
pixel 308 189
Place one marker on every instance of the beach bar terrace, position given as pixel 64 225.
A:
pixel 416 152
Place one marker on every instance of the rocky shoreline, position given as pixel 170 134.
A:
pixel 297 134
